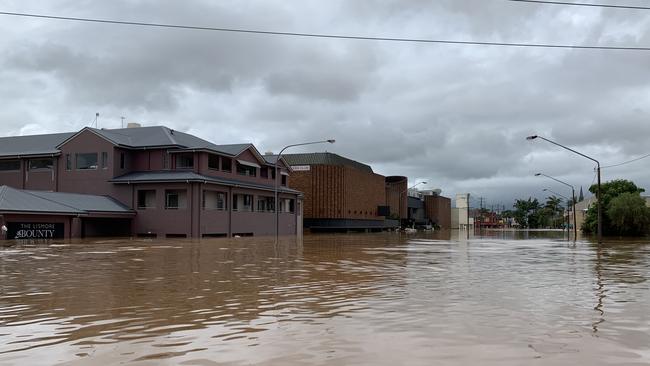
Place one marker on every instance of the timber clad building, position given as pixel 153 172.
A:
pixel 144 181
pixel 340 193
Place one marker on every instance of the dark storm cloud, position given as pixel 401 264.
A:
pixel 455 116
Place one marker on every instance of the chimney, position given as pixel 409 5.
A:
pixel 133 125
pixel 269 153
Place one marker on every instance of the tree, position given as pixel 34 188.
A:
pixel 610 191
pixel 526 212
pixel 628 214
pixel 555 211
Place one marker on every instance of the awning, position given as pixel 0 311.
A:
pixel 284 173
pixel 248 163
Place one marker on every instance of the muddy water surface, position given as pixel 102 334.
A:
pixel 364 299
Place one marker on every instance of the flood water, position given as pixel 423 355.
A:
pixel 361 299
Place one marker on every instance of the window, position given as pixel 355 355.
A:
pixel 242 202
pixel 36 164
pixel 6 165
pixel 213 161
pixel 165 162
pixel 146 199
pixel 288 205
pixel 213 200
pixel 284 180
pixel 104 160
pixel 246 170
pixel 86 161
pixel 184 161
pixel 175 199
pixel 226 164
pixel 122 161
pixel 265 204
pixel 264 172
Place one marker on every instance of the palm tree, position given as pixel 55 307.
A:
pixel 555 209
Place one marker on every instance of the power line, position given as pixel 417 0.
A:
pixel 323 35
pixel 582 4
pixel 626 162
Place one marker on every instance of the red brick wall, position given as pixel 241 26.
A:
pixel 339 192
pixel 397 197
pixel 438 210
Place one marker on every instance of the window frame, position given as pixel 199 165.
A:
pixel 30 168
pixel 9 161
pixel 145 191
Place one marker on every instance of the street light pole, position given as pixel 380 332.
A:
pixel 407 205
pixel 599 198
pixel 573 201
pixel 568 233
pixel 277 177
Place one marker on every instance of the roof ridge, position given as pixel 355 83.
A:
pixel 169 134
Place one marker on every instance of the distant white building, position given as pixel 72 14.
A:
pixel 460 214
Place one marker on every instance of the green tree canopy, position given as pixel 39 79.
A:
pixel 622 215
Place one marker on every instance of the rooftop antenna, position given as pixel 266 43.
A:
pixel 96 117
pixel 122 121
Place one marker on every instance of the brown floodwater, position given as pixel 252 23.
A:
pixel 357 299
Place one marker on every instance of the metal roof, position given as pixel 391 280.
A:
pixel 85 202
pixel 187 176
pixel 17 200
pixel 135 138
pixel 32 145
pixel 325 158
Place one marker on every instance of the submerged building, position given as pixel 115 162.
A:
pixel 342 194
pixel 141 181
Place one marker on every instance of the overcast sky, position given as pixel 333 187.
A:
pixel 453 115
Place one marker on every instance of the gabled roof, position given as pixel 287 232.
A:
pixel 325 158
pixel 32 145
pixel 18 200
pixel 166 176
pixel 161 136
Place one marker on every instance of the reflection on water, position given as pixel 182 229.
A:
pixel 384 298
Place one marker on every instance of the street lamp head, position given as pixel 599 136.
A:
pixel 544 189
pixel 331 141
pixel 538 174
pixel 531 137
pixel 424 182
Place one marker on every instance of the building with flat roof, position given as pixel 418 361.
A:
pixel 340 193
pixel 166 183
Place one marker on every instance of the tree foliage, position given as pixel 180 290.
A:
pixel 628 214
pixel 624 210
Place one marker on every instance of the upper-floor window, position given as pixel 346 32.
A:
pixel 288 205
pixel 213 161
pixel 165 162
pixel 104 160
pixel 68 162
pixel 87 161
pixel 184 161
pixel 265 204
pixel 36 164
pixel 284 179
pixel 122 161
pixel 213 200
pixel 246 168
pixel 242 202
pixel 175 199
pixel 146 199
pixel 6 165
pixel 226 164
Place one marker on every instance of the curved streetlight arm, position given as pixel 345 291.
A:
pixel 564 147
pixel 598 193
pixel 277 178
pixel 555 193
pixel 555 179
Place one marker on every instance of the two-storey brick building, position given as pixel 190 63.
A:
pixel 164 183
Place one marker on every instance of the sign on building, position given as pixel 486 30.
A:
pixel 35 230
pixel 301 168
